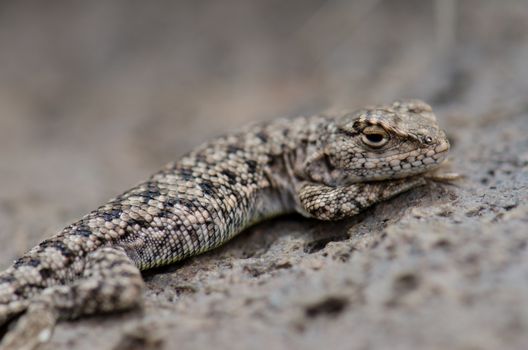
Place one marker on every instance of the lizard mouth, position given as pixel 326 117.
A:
pixel 412 163
pixel 415 162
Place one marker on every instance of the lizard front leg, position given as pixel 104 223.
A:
pixel 334 203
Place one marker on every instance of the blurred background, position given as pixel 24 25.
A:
pixel 95 95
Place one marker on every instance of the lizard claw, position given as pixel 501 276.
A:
pixel 33 328
pixel 441 175
pixel 444 177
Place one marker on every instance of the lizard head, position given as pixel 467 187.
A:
pixel 385 142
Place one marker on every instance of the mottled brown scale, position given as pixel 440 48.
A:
pixel 326 167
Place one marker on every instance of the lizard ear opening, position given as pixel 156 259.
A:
pixel 318 168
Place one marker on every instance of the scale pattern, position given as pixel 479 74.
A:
pixel 326 167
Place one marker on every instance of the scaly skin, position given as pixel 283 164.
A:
pixel 322 167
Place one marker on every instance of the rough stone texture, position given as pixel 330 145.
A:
pixel 94 96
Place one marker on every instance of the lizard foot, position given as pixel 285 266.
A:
pixel 33 328
pixel 109 282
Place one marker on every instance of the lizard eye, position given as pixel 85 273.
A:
pixel 374 136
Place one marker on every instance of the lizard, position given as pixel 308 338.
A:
pixel 326 167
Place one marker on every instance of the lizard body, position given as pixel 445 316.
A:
pixel 322 167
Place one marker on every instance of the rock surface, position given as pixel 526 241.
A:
pixel 96 95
